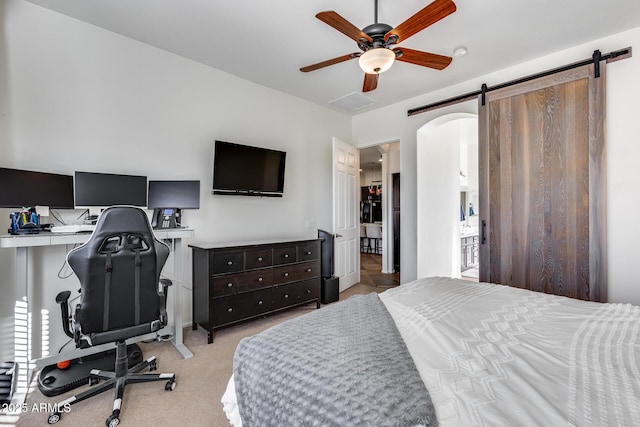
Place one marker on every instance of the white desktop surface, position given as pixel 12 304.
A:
pixel 22 243
pixel 46 238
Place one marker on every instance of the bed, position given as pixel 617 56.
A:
pixel 487 355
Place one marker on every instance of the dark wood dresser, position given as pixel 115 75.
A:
pixel 236 282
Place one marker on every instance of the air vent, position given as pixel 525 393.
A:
pixel 353 101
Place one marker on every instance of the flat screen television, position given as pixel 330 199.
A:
pixel 23 188
pixel 106 189
pixel 174 194
pixel 248 171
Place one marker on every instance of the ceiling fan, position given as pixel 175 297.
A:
pixel 376 40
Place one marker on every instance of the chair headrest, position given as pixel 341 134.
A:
pixel 118 227
pixel 116 219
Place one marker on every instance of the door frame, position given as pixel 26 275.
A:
pixel 387 208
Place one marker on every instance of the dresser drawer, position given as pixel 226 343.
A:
pixel 308 290
pixel 285 255
pixel 284 295
pixel 225 285
pixel 310 269
pixel 295 272
pixel 308 252
pixel 255 280
pixel 227 262
pixel 294 293
pixel 231 309
pixel 259 258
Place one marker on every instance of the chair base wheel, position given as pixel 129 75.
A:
pixel 112 421
pixel 54 417
pixel 170 385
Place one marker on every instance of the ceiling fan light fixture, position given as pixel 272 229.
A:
pixel 377 60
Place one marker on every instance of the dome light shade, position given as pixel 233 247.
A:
pixel 376 61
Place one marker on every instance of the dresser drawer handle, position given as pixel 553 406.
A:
pixel 229 262
pixel 259 279
pixel 259 302
pixel 308 291
pixel 286 255
pixel 308 270
pixel 286 296
pixel 229 285
pixel 259 258
pixel 286 274
pixel 230 310
pixel 308 252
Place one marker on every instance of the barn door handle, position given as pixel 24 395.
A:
pixel 484 236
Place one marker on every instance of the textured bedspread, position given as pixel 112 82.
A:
pixel 343 365
pixel 495 355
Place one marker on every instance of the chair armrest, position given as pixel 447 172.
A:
pixel 63 299
pixel 165 284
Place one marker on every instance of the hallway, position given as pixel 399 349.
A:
pixel 370 272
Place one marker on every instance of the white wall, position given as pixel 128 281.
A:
pixel 82 98
pixel 623 152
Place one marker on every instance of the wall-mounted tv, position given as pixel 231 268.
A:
pixel 247 171
pixel 106 189
pixel 22 188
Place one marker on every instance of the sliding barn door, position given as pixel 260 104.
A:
pixel 542 185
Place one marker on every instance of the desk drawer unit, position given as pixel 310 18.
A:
pixel 234 283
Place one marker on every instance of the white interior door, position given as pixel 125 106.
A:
pixel 345 213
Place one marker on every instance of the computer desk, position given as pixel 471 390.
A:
pixel 22 244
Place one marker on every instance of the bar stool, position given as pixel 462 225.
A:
pixel 364 242
pixel 374 234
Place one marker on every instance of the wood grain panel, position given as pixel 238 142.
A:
pixel 495 235
pixel 541 159
pixel 597 190
pixel 484 215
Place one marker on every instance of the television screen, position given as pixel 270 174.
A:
pixel 22 188
pixel 244 170
pixel 174 194
pixel 105 189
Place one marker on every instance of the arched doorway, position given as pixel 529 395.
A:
pixel 441 175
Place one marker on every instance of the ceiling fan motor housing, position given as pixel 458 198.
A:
pixel 377 32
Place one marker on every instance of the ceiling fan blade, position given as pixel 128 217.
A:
pixel 370 82
pixel 328 62
pixel 345 27
pixel 425 59
pixel 429 15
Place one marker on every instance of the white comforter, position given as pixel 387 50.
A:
pixel 495 355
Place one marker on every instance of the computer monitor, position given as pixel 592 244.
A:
pixel 23 188
pixel 106 189
pixel 174 194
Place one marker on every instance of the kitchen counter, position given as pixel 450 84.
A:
pixel 469 232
